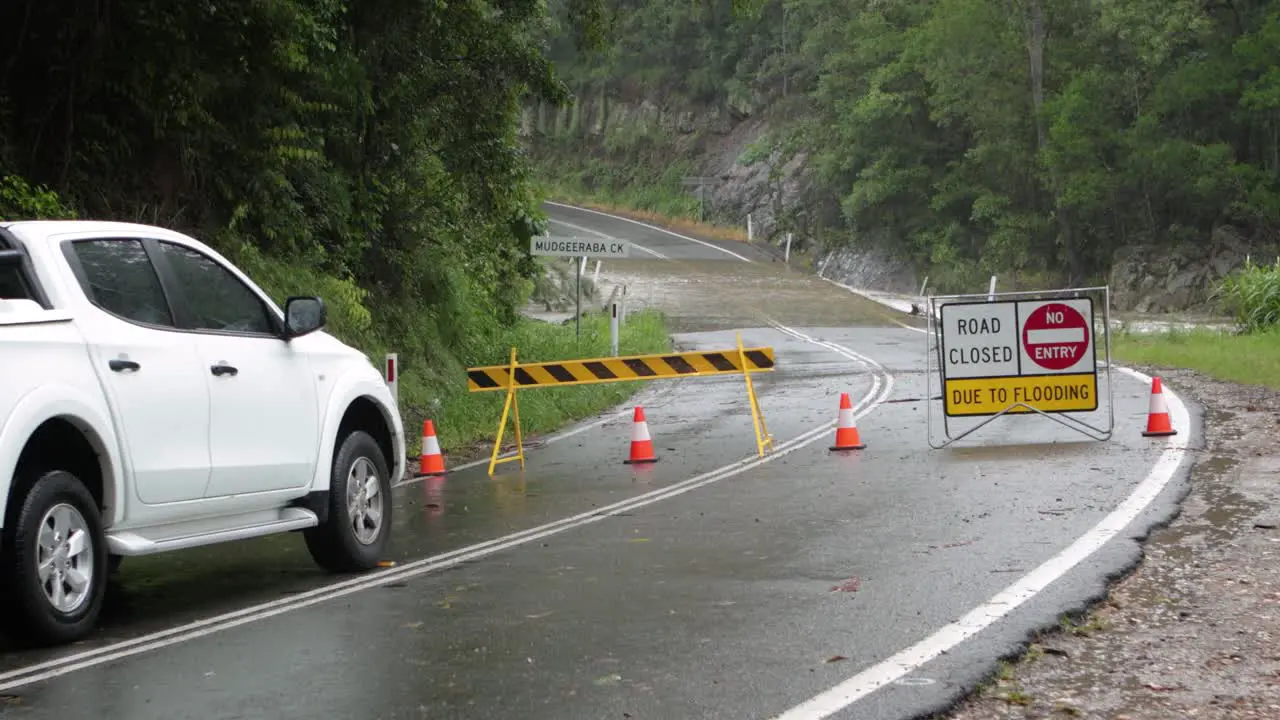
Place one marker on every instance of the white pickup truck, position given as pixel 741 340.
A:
pixel 153 398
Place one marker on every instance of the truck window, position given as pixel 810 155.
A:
pixel 122 281
pixel 216 298
pixel 12 284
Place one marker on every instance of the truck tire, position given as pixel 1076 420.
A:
pixel 359 523
pixel 57 523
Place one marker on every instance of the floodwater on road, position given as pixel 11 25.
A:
pixel 707 295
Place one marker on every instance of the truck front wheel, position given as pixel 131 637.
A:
pixel 359 523
pixel 54 563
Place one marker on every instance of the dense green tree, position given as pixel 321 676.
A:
pixel 983 135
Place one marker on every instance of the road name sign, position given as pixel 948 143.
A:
pixel 1016 355
pixel 579 247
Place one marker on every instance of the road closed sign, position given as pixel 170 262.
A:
pixel 1009 355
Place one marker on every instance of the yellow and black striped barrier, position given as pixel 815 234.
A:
pixel 662 366
pixel 620 369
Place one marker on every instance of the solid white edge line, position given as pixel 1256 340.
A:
pixel 634 244
pixel 1028 586
pixel 879 392
pixel 651 227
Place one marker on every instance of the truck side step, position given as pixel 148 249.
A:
pixel 181 536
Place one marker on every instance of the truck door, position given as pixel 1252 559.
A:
pixel 151 371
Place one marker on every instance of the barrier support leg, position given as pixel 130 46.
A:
pixel 763 437
pixel 510 407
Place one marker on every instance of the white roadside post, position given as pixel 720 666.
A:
pixel 613 328
pixel 786 258
pixel 991 290
pixel 622 311
pixel 751 235
pixel 393 376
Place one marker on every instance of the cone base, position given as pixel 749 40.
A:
pixel 431 473
pixel 1158 433
pixel 837 448
pixel 641 461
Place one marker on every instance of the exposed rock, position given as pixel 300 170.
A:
pixel 1149 278
pixel 869 269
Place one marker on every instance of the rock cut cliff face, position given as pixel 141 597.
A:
pixel 1162 279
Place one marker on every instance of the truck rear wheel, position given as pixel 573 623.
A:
pixel 359 524
pixel 54 562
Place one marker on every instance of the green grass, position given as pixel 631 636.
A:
pixel 1252 359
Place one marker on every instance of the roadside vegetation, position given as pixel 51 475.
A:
pixel 1250 354
pixel 972 137
pixel 367 153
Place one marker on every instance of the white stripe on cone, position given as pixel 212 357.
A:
pixel 639 431
pixel 430 446
pixel 846 418
pixel 1158 405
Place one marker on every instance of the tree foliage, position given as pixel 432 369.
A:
pixel 368 144
pixel 982 135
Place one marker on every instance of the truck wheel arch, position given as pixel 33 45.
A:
pixel 51 427
pixel 356 404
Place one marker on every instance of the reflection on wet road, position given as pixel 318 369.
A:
pixel 757 586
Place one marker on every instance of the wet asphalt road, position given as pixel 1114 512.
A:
pixel 713 600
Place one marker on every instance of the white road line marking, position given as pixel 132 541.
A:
pixel 1028 586
pixel 597 233
pixel 882 386
pixel 651 227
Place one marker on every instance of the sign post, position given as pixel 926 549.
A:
pixel 581 249
pixel 1019 356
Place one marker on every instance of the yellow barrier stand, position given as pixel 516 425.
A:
pixel 515 376
pixel 757 417
pixel 512 404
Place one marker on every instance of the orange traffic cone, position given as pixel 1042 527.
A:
pixel 432 462
pixel 1158 422
pixel 641 443
pixel 846 429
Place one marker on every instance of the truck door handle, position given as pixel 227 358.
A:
pixel 221 369
pixel 122 365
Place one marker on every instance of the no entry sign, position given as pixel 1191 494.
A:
pixel 1055 336
pixel 1014 355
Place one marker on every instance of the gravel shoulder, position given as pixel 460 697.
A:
pixel 1191 631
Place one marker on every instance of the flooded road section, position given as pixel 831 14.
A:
pixel 713 584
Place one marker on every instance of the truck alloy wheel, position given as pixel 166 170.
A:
pixel 55 556
pixel 359 523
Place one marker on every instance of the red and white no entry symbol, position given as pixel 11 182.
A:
pixel 1055 336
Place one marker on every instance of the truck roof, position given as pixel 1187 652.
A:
pixel 32 229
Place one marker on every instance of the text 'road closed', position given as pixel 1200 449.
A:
pixel 1046 393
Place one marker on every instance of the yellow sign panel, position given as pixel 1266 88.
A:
pixel 1046 393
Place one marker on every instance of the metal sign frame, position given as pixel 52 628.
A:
pixel 934 350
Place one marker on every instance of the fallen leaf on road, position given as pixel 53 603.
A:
pixel 412 625
pixel 605 680
pixel 850 585
pixel 836 658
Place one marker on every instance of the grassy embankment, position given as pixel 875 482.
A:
pixel 1251 357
